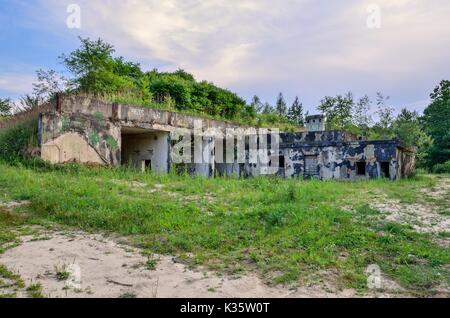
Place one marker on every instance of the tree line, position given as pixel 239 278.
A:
pixel 94 69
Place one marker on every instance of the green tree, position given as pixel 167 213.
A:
pixel 5 107
pixel 408 129
pixel 49 83
pixel 384 127
pixel 95 70
pixel 361 116
pixel 436 122
pixel 280 106
pixel 257 104
pixel 295 113
pixel 267 108
pixel 338 110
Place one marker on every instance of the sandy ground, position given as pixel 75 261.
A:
pixel 101 266
pixel 424 218
pixel 108 268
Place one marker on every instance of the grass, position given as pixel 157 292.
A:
pixel 285 229
pixel 61 273
pixel 35 291
pixel 151 264
pixel 14 279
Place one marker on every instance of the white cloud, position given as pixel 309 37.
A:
pixel 309 47
pixel 16 84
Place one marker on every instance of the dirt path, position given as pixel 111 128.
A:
pixel 110 269
pixel 423 217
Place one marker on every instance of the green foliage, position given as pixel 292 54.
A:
pixel 338 110
pixel 5 107
pixel 35 290
pixel 442 167
pixel 96 71
pixel 361 115
pixel 288 227
pixel 436 122
pixel 15 141
pixel 295 113
pixel 280 106
pixel 408 129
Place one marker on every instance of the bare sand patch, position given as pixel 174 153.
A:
pixel 109 268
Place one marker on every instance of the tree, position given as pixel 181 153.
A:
pixel 280 106
pixel 408 129
pixel 95 70
pixel 338 110
pixel 257 104
pixel 436 122
pixel 295 113
pixel 5 107
pixel 49 83
pixel 268 109
pixel 386 117
pixel 361 115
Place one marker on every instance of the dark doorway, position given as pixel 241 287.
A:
pixel 384 167
pixel 281 162
pixel 361 168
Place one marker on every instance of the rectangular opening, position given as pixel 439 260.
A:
pixel 145 149
pixel 384 167
pixel 281 162
pixel 361 168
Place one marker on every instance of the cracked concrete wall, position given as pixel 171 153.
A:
pixel 339 160
pixel 95 129
pixel 101 135
pixel 100 124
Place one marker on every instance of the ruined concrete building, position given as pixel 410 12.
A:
pixel 85 130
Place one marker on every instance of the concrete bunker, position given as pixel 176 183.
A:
pixel 145 149
pixel 85 130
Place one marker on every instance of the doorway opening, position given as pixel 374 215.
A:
pixel 145 149
pixel 384 169
pixel 361 168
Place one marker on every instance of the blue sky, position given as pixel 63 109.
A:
pixel 309 48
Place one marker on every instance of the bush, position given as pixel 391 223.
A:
pixel 14 142
pixel 442 167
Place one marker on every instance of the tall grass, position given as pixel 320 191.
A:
pixel 285 229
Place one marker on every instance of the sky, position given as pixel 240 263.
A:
pixel 304 48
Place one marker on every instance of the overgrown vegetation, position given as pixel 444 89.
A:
pixel 15 142
pixel 285 229
pixel 96 71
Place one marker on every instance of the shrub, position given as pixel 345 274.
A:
pixel 442 167
pixel 15 141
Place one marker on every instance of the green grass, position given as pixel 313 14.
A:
pixel 35 291
pixel 16 280
pixel 284 229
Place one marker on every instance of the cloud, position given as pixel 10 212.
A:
pixel 16 84
pixel 306 47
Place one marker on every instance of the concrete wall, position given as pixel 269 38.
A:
pixel 87 130
pixel 97 127
pixel 338 160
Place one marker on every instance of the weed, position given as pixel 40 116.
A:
pixel 61 273
pixel 35 291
